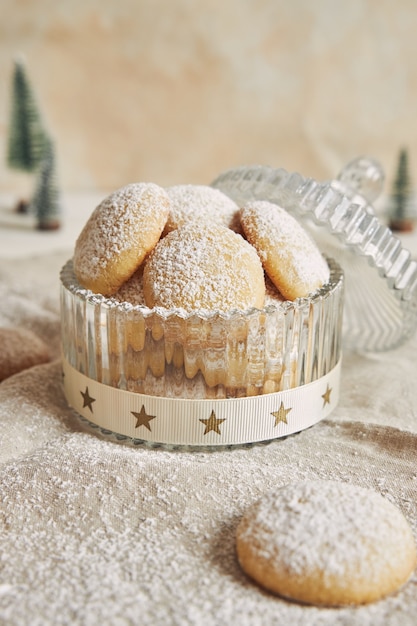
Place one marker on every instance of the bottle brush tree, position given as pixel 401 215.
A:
pixel 402 206
pixel 45 203
pixel 26 137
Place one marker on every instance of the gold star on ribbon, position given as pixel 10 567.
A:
pixel 212 423
pixel 281 414
pixel 142 418
pixel 326 396
pixel 87 399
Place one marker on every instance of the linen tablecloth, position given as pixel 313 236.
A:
pixel 98 532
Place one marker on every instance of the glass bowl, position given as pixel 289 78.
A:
pixel 198 363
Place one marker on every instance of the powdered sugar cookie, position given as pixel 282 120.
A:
pixel 290 257
pixel 204 267
pixel 200 203
pixel 121 231
pixel 326 543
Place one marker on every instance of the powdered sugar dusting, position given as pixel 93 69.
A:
pixel 199 267
pixel 132 291
pixel 200 203
pixel 342 530
pixel 124 219
pixel 286 250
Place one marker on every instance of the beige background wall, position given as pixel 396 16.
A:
pixel 178 90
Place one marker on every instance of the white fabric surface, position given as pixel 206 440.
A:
pixel 95 532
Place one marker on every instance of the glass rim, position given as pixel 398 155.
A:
pixel 70 282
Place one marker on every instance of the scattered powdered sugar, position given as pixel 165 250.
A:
pixel 200 203
pixel 342 530
pixel 94 532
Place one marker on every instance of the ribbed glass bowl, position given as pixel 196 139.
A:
pixel 381 276
pixel 202 355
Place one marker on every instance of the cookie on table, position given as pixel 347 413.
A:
pixel 119 234
pixel 20 349
pixel 200 203
pixel 290 257
pixel 326 543
pixel 203 267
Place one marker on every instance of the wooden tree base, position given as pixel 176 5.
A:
pixel 53 225
pixel 402 226
pixel 22 207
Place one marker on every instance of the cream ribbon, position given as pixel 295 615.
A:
pixel 179 421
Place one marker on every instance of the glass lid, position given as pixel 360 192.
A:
pixel 381 275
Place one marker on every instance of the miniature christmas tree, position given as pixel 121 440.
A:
pixel 402 206
pixel 26 133
pixel 45 203
pixel 27 138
